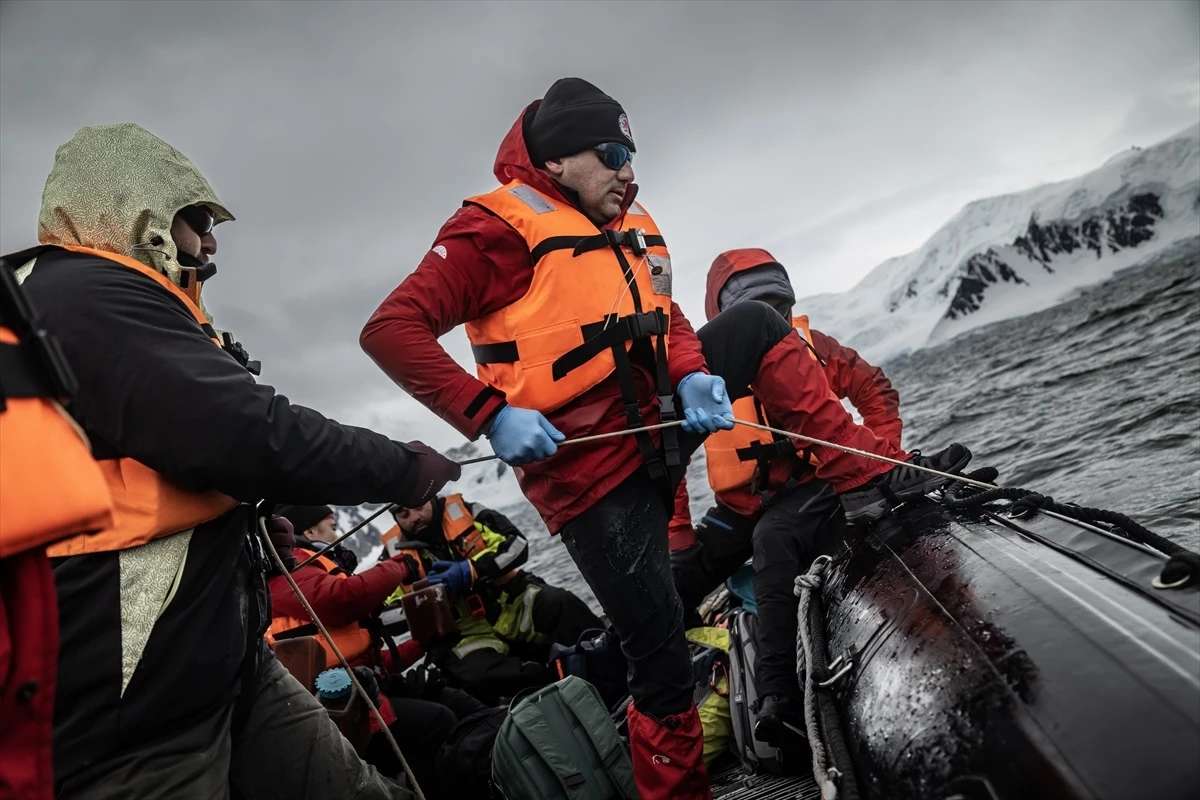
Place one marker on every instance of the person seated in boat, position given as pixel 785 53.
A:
pixel 345 604
pixel 316 530
pixel 507 617
pixel 769 503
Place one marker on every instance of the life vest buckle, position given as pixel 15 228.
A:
pixel 643 326
pixel 637 241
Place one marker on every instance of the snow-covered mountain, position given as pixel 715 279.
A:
pixel 1016 254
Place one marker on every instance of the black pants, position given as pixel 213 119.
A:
pixel 620 543
pixel 794 529
pixel 421 727
pixel 724 541
pixel 288 748
pixel 791 532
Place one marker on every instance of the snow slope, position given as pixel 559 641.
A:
pixel 1019 253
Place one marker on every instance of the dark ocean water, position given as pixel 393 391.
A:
pixel 1095 401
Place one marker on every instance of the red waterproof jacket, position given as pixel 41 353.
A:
pixel 478 265
pixel 850 377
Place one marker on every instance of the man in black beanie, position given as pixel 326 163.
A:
pixel 563 281
pixel 316 529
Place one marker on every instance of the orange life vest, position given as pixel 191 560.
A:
pixel 458 527
pixel 50 486
pixel 593 296
pixel 146 505
pixel 353 640
pixel 736 458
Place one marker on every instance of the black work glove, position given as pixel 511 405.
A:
pixel 412 567
pixel 420 682
pixel 367 678
pixel 433 471
pixel 283 536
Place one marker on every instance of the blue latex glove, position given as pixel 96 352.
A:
pixel 458 576
pixel 706 405
pixel 522 435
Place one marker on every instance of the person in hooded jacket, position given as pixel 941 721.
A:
pixel 166 687
pixel 564 282
pixel 507 618
pixel 769 505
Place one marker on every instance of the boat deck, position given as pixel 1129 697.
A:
pixel 729 782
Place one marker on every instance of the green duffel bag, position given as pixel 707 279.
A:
pixel 560 743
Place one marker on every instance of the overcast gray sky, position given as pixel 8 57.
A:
pixel 343 134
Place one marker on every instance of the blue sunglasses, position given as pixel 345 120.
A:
pixel 613 155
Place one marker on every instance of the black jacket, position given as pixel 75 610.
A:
pixel 152 386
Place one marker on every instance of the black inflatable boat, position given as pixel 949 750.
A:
pixel 996 658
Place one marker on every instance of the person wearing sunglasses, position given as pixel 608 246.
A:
pixel 563 281
pixel 165 686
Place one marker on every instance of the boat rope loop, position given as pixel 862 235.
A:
pixel 1182 567
pixel 358 687
pixel 820 712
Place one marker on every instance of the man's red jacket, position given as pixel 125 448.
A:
pixel 478 265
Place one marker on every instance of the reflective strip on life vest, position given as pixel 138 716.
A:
pixel 472 644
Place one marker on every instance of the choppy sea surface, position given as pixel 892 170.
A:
pixel 1095 401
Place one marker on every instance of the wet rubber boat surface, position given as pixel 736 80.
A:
pixel 999 658
pixel 1004 658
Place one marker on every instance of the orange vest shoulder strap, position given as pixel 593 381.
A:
pixel 324 562
pixel 800 323
pixel 456 517
pixel 157 277
pixel 458 527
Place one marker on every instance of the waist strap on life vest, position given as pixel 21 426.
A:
pixel 146 505
pixel 50 486
pixel 577 296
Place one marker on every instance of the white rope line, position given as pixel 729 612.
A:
pixel 865 454
pixel 279 565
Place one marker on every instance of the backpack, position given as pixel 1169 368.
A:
pixel 710 665
pixel 597 658
pixel 464 761
pixel 559 743
pixel 755 756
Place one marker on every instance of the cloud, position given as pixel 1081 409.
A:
pixel 342 135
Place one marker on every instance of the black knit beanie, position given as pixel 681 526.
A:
pixel 303 517
pixel 573 116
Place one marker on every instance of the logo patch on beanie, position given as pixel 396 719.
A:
pixel 440 249
pixel 623 124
